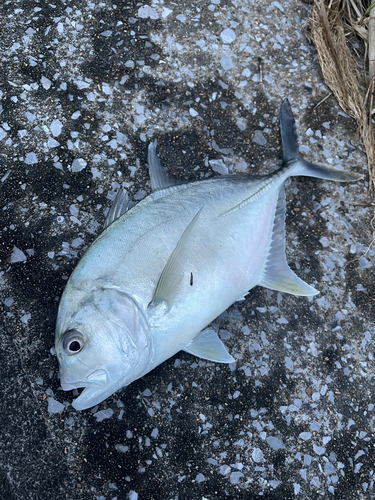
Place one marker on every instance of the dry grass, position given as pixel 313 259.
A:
pixel 329 27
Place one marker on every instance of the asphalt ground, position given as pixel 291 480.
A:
pixel 84 87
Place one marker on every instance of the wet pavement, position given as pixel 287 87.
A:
pixel 84 87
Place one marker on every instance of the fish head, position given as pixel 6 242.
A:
pixel 103 343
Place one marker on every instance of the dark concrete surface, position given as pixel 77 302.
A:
pixel 84 86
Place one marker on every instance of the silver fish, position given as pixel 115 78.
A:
pixel 163 270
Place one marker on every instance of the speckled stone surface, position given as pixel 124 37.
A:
pixel 84 86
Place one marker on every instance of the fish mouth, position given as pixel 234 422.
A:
pixel 96 378
pixel 96 386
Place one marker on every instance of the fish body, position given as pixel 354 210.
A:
pixel 162 271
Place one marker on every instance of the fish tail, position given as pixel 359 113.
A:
pixel 292 159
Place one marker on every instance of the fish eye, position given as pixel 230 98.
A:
pixel 73 342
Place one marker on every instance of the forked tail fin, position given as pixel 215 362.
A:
pixel 293 159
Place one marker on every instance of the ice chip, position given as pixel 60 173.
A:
pixel 81 84
pixel 52 143
pixel 166 12
pixel 121 138
pixel 319 450
pixel 95 172
pixel 54 406
pixel 106 88
pixel 364 263
pixel 146 12
pixel 103 414
pixel 25 318
pixel 235 477
pixel 275 443
pixel 257 455
pixel 77 242
pixel 56 127
pixel 219 166
pixel 31 158
pixel 226 62
pixel 224 470
pixel 17 255
pixel 228 35
pixel 241 123
pixel 275 483
pixel 30 116
pixel 259 138
pixel 46 82
pixel 121 448
pixel 78 164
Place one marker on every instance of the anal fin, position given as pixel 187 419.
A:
pixel 207 345
pixel 285 280
pixel 277 275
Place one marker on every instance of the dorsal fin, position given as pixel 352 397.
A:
pixel 160 179
pixel 120 205
pixel 277 275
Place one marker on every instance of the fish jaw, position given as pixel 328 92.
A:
pixel 93 395
pixel 97 387
pixel 96 379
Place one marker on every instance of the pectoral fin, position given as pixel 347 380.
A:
pixel 174 271
pixel 207 345
pixel 277 275
pixel 120 205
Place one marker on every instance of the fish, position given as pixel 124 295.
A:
pixel 161 271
